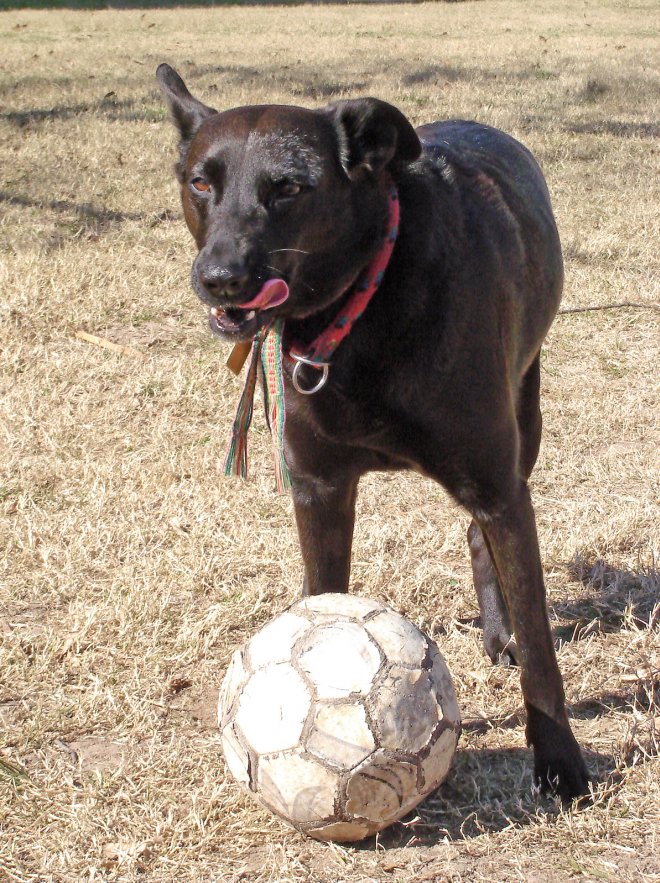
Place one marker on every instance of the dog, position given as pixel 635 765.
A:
pixel 440 373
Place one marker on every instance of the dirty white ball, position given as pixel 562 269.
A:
pixel 339 715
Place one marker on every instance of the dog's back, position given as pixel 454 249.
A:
pixel 500 180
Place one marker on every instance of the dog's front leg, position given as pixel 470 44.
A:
pixel 325 516
pixel 324 480
pixel 511 532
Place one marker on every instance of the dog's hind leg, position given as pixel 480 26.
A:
pixel 495 620
pixel 528 416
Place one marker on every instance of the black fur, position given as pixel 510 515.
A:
pixel 440 375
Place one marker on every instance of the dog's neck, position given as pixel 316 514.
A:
pixel 303 332
pixel 319 336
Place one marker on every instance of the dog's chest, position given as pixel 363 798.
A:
pixel 338 415
pixel 360 417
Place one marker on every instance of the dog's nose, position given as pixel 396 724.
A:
pixel 223 281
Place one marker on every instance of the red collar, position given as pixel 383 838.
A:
pixel 319 352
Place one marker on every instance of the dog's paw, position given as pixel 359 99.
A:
pixel 567 777
pixel 559 765
pixel 501 650
pixel 508 656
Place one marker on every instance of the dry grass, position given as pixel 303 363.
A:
pixel 131 569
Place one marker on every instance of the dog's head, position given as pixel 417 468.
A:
pixel 286 205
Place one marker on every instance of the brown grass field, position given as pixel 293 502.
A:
pixel 131 569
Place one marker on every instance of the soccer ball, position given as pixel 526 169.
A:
pixel 339 716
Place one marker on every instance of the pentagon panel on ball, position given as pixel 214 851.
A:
pixel 339 715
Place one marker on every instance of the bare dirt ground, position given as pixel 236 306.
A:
pixel 131 569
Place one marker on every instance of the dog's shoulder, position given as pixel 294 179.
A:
pixel 485 160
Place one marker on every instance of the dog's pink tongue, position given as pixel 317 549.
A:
pixel 273 293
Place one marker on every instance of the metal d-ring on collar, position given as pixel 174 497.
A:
pixel 324 367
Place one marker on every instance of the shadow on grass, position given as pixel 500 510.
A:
pixel 91 220
pixel 486 791
pixel 311 85
pixel 638 698
pixel 614 127
pixel 109 107
pixel 305 82
pixel 300 81
pixel 441 74
pixel 618 599
pixel 85 210
pixel 489 790
pixel 445 73
pixel 102 216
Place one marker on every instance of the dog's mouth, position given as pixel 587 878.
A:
pixel 242 321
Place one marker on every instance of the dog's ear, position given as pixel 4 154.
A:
pixel 187 112
pixel 372 134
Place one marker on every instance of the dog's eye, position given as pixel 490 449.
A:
pixel 288 189
pixel 200 185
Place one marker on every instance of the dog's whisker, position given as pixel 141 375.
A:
pixel 302 281
pixel 298 250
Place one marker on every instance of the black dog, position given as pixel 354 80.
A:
pixel 441 373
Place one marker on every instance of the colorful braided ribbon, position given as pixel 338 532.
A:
pixel 271 359
pixel 267 350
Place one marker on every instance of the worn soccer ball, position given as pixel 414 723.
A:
pixel 339 716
